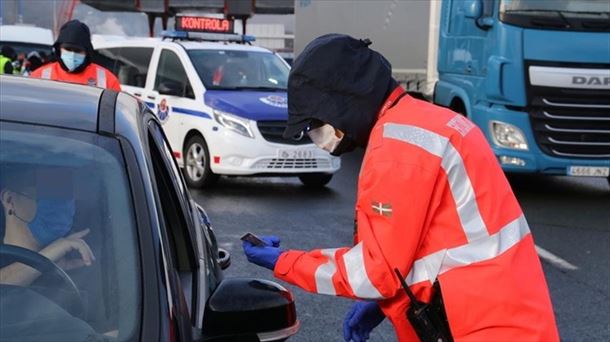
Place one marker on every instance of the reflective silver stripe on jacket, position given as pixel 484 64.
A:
pixel 453 165
pixel 324 274
pixel 429 267
pixel 101 77
pixel 46 73
pixel 357 277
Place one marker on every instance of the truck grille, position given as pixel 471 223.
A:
pixel 272 131
pixel 573 123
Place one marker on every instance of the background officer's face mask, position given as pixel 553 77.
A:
pixel 71 59
pixel 325 137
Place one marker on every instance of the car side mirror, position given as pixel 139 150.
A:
pixel 170 88
pixel 246 309
pixel 473 9
pixel 224 258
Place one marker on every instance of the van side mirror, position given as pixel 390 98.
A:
pixel 170 88
pixel 473 9
pixel 245 309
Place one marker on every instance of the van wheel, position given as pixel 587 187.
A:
pixel 315 180
pixel 197 169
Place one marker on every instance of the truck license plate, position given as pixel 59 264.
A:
pixel 589 171
pixel 295 154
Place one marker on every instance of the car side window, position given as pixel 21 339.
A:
pixel 129 64
pixel 171 78
pixel 175 214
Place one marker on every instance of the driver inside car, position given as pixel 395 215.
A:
pixel 40 218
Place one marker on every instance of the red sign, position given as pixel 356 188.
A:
pixel 204 24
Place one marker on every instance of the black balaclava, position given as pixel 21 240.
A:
pixel 74 33
pixel 338 80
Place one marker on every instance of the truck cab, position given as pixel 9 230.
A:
pixel 535 77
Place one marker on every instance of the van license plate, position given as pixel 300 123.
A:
pixel 295 154
pixel 589 171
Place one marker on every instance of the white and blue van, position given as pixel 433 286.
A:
pixel 223 105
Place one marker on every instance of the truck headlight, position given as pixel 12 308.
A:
pixel 233 123
pixel 507 135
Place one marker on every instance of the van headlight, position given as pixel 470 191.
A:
pixel 233 123
pixel 507 135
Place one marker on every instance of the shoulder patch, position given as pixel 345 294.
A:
pixel 461 124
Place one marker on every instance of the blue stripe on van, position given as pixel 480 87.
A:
pixel 191 112
pixel 150 104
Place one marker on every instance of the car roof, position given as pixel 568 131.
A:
pixel 50 103
pixel 105 42
pixel 26 34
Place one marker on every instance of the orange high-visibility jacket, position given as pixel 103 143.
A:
pixel 93 75
pixel 434 203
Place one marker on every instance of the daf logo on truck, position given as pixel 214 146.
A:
pixel 592 80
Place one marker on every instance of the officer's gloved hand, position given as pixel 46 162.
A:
pixel 361 320
pixel 265 256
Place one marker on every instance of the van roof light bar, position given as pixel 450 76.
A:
pixel 208 37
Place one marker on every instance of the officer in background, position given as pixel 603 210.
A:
pixel 74 52
pixel 7 55
pixel 433 203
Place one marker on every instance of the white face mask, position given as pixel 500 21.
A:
pixel 72 60
pixel 325 137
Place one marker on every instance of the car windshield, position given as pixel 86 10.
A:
pixel 67 212
pixel 240 70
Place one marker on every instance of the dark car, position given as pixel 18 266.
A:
pixel 95 205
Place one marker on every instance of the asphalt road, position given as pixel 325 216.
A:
pixel 570 220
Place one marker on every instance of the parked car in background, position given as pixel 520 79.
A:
pixel 25 39
pixel 156 271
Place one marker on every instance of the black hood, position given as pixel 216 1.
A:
pixel 337 79
pixel 8 52
pixel 74 33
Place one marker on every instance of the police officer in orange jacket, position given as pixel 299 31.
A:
pixel 74 52
pixel 432 202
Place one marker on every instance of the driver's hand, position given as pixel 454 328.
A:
pixel 57 250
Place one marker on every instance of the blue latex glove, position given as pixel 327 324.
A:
pixel 263 256
pixel 361 320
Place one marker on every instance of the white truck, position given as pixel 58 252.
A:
pixel 405 32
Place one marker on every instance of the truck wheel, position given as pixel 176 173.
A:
pixel 315 180
pixel 197 171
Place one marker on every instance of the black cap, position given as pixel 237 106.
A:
pixel 338 80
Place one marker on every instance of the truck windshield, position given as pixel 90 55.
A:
pixel 585 15
pixel 240 70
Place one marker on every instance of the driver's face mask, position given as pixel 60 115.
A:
pixel 325 137
pixel 53 218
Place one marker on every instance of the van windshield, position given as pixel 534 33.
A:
pixel 240 70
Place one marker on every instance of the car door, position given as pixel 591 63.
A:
pixel 129 64
pixel 195 273
pixel 172 96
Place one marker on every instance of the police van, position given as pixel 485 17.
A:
pixel 222 102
